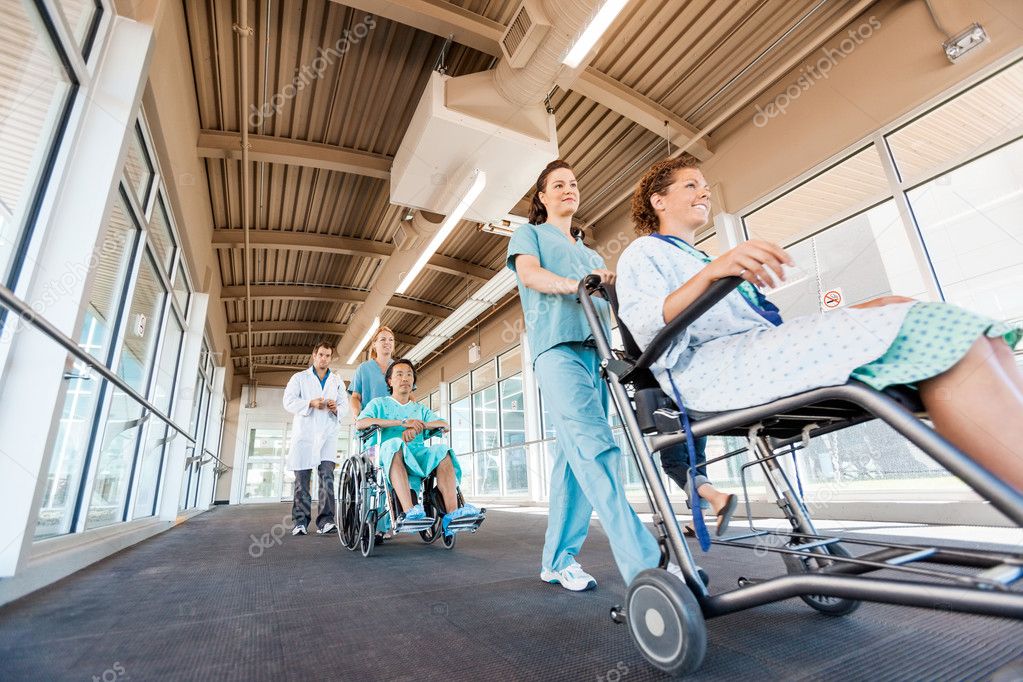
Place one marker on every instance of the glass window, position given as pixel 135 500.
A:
pixel 182 293
pixel 115 455
pixel 167 370
pixel 513 413
pixel 160 236
pixel 142 328
pixel 138 168
pixel 708 243
pixel 970 222
pixel 459 388
pixel 150 465
pixel 487 473
pixel 435 402
pixel 510 363
pixel 827 197
pixel 461 426
pixel 71 443
pixel 484 376
pixel 484 419
pixel 81 16
pixel 865 256
pixel 264 466
pixel 34 92
pixel 960 126
pixel 113 260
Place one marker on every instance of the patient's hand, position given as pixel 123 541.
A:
pixel 409 435
pixel 884 300
pixel 750 260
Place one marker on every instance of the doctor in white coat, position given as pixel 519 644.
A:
pixel 318 400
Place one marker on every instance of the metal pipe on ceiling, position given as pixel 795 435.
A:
pixel 244 32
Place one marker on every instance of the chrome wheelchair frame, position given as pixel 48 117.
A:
pixel 666 618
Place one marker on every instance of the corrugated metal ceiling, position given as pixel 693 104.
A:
pixel 696 58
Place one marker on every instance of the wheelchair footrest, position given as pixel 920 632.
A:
pixel 415 525
pixel 467 523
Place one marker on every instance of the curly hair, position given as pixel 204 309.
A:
pixel 655 181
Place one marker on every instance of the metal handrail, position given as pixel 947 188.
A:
pixel 26 314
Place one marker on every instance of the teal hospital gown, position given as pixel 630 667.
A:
pixel 420 459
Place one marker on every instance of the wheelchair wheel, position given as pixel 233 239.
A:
pixel 348 513
pixel 432 508
pixel 449 541
pixel 665 622
pixel 368 534
pixel 830 606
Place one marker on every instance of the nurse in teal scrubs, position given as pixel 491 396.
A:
pixel 549 258
pixel 368 382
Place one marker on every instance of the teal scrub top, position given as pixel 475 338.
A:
pixel 368 382
pixel 552 319
pixel 389 408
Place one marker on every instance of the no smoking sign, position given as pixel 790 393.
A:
pixel 832 299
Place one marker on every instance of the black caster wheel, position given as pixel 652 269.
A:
pixel 829 606
pixel 449 541
pixel 430 535
pixel 665 622
pixel 368 535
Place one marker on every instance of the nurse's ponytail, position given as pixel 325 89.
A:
pixel 537 211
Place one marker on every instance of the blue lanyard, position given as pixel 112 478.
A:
pixel 756 300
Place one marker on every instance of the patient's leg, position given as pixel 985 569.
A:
pixel 399 479
pixel 1008 362
pixel 979 408
pixel 446 483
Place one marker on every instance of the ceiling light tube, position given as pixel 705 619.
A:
pixel 365 339
pixel 600 23
pixel 445 230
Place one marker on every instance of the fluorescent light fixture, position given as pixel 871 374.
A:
pixel 504 227
pixel 445 230
pixel 477 304
pixel 365 339
pixel 601 20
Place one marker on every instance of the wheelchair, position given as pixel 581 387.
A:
pixel 666 617
pixel 366 507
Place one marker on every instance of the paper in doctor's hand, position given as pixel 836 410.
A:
pixel 317 403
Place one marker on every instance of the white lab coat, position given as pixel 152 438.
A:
pixel 314 432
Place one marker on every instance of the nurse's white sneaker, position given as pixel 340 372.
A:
pixel 298 530
pixel 327 528
pixel 572 577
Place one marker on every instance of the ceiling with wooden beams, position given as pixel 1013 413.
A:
pixel 321 221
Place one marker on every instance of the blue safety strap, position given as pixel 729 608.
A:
pixel 699 525
pixel 754 299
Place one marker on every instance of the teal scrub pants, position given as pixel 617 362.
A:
pixel 587 466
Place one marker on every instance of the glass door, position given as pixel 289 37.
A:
pixel 266 479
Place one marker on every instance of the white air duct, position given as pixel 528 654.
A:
pixel 494 120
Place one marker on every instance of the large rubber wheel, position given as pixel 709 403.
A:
pixel 368 534
pixel 431 507
pixel 348 512
pixel 829 606
pixel 665 622
pixel 449 541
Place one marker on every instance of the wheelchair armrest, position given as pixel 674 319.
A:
pixel 367 433
pixel 430 433
pixel 715 292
